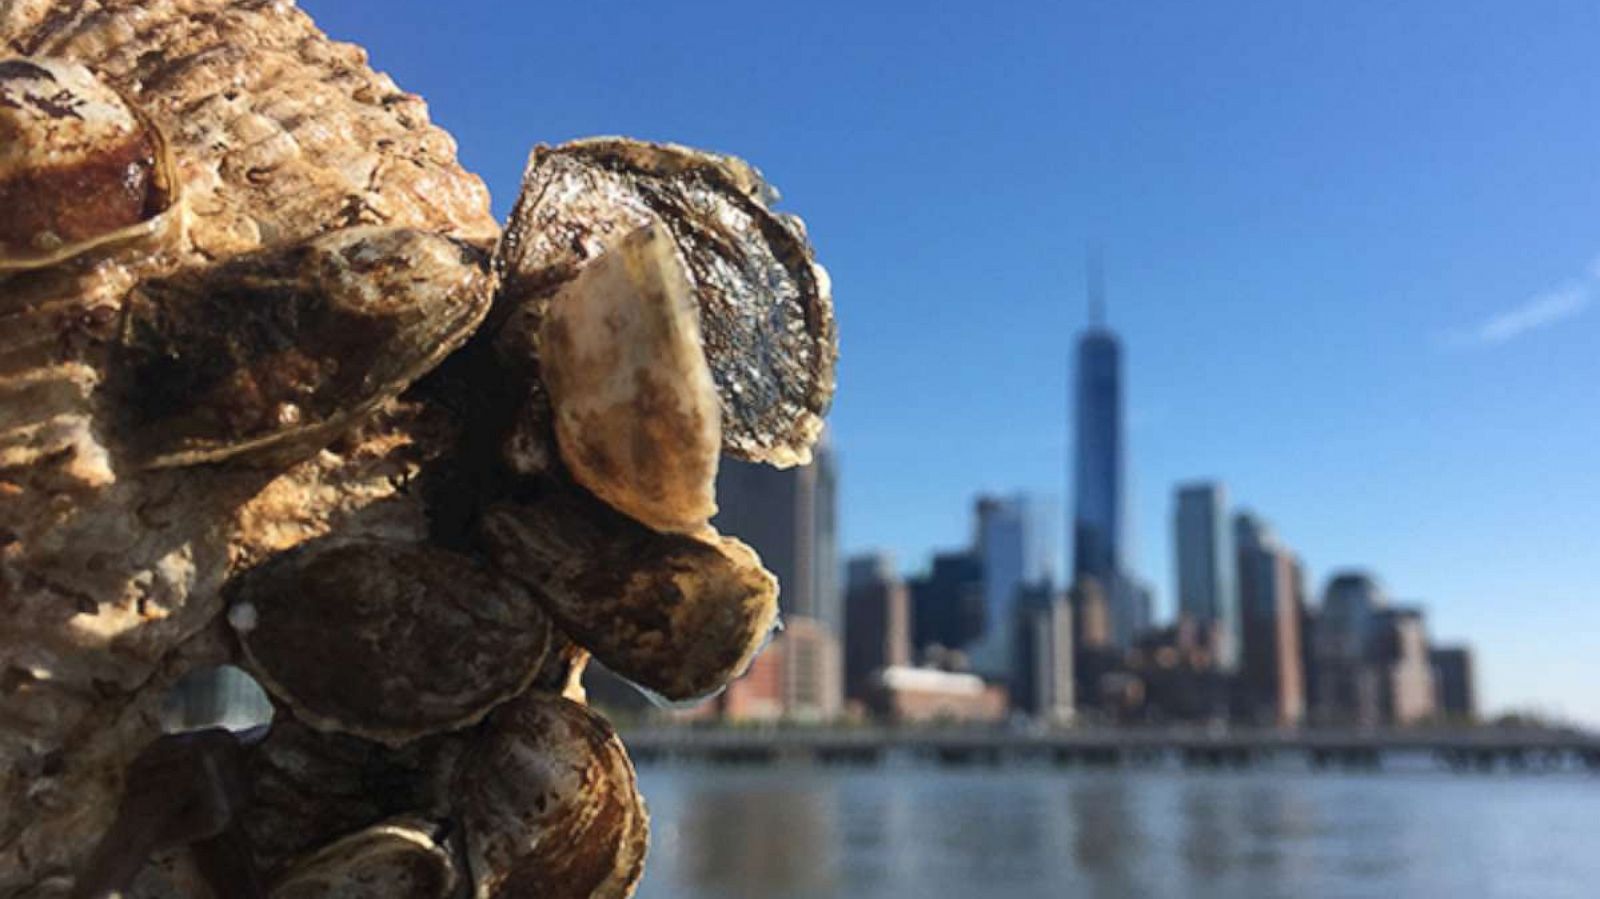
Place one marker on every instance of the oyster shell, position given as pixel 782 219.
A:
pixel 311 787
pixel 766 311
pixel 290 345
pixel 80 167
pixel 636 414
pixel 676 614
pixel 550 805
pixel 402 858
pixel 387 641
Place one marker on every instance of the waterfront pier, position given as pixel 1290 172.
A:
pixel 1453 749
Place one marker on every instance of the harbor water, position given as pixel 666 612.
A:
pixel 917 832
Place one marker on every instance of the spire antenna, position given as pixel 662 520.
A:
pixel 1097 289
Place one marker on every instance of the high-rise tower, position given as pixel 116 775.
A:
pixel 1013 542
pixel 787 516
pixel 1206 561
pixel 1098 510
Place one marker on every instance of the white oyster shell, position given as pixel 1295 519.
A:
pixel 637 417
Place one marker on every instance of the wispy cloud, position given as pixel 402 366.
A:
pixel 1543 311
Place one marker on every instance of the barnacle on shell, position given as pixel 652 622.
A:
pixel 550 805
pixel 402 858
pixel 766 311
pixel 285 347
pixel 679 615
pixel 636 413
pixel 387 641
pixel 80 167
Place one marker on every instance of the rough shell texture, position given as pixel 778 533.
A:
pixel 388 641
pixel 110 575
pixel 283 348
pixel 79 167
pixel 551 805
pixel 675 614
pixel 636 413
pixel 766 306
pixel 397 859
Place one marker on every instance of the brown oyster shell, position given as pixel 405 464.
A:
pixel 636 412
pixel 401 858
pixel 766 311
pixel 309 787
pixel 288 346
pixel 551 805
pixel 80 167
pixel 675 614
pixel 390 642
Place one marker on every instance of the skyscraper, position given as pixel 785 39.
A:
pixel 1348 687
pixel 1453 682
pixel 1399 652
pixel 877 630
pixel 1013 542
pixel 825 537
pixel 1043 683
pixel 1271 609
pixel 1098 512
pixel 1205 563
pixel 947 603
pixel 787 516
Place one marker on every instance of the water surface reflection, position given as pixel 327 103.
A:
pixel 917 832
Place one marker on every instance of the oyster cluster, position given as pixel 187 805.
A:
pixel 276 391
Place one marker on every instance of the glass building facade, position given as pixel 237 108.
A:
pixel 1014 544
pixel 1098 509
pixel 788 517
pixel 1206 582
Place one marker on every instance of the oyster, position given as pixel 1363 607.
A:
pixel 402 858
pixel 389 642
pixel 292 344
pixel 636 413
pixel 675 614
pixel 550 805
pixel 766 311
pixel 79 166
pixel 309 788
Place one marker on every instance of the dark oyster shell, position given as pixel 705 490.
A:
pixel 311 787
pixel 675 614
pixel 387 641
pixel 766 313
pixel 550 805
pixel 79 166
pixel 398 859
pixel 285 347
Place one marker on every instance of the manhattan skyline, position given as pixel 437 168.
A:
pixel 1350 256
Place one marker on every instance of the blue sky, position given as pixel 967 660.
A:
pixel 1353 251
